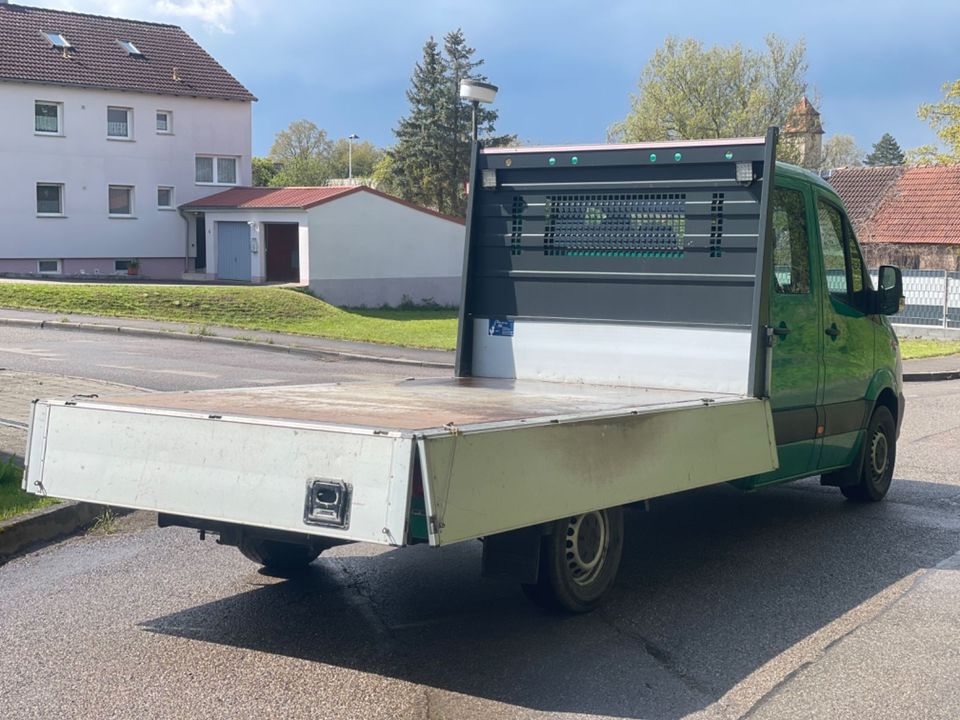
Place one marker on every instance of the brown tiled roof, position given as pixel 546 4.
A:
pixel 923 207
pixel 171 64
pixel 292 198
pixel 862 189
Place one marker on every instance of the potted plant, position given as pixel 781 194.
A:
pixel 133 267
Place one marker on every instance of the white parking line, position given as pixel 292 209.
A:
pixel 185 373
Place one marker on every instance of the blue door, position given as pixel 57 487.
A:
pixel 233 251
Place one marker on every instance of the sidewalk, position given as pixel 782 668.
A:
pixel 946 367
pixel 280 342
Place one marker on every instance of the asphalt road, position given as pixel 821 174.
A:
pixel 167 364
pixel 785 603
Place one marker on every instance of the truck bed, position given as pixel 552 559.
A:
pixel 435 460
pixel 412 406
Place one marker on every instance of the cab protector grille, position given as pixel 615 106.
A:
pixel 627 225
pixel 716 225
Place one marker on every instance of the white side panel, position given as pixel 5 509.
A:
pixel 246 473
pixel 680 358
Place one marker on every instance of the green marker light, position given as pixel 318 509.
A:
pixel 677 156
pixel 552 161
pixel 574 160
pixel 653 157
pixel 728 155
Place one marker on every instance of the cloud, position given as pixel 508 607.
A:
pixel 215 15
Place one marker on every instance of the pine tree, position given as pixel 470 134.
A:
pixel 886 151
pixel 431 161
pixel 417 159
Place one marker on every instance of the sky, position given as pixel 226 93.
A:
pixel 565 68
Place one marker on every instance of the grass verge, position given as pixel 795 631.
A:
pixel 914 348
pixel 253 308
pixel 13 500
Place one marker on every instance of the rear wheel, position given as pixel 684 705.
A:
pixel 879 456
pixel 579 560
pixel 281 557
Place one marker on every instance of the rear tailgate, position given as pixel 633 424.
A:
pixel 264 472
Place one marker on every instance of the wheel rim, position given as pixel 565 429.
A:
pixel 587 541
pixel 879 454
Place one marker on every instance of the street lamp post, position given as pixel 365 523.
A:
pixel 476 92
pixel 350 138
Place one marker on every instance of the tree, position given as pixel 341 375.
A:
pixel 944 118
pixel 886 151
pixel 689 92
pixel 430 162
pixel 264 170
pixel 366 155
pixel 302 152
pixel 841 151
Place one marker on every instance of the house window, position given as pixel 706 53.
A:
pixel 121 200
pixel 165 198
pixel 48 267
pixel 164 122
pixel 49 199
pixel 129 47
pixel 215 170
pixel 56 39
pixel 121 266
pixel 47 118
pixel 119 123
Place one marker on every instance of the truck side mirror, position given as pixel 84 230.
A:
pixel 890 292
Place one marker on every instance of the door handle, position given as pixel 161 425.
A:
pixel 832 331
pixel 782 330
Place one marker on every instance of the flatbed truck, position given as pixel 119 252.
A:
pixel 636 320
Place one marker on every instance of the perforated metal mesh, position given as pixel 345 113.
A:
pixel 716 225
pixel 516 226
pixel 629 225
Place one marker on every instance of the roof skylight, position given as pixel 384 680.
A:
pixel 56 39
pixel 129 47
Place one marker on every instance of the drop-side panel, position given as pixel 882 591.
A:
pixel 489 481
pixel 251 472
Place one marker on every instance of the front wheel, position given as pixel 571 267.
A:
pixel 579 560
pixel 879 456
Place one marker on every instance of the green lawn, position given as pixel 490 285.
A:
pixel 911 349
pixel 13 500
pixel 252 308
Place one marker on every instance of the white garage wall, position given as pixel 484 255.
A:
pixel 369 250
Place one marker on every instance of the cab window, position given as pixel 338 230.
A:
pixel 846 273
pixel 791 248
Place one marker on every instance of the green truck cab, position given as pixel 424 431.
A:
pixel 836 375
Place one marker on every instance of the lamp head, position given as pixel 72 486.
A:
pixel 476 91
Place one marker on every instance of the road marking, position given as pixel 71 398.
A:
pixel 185 373
pixel 32 352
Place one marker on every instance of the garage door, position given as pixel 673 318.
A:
pixel 233 251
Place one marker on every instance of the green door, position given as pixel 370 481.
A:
pixel 797 367
pixel 848 343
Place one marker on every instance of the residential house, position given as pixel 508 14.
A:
pixel 906 216
pixel 109 125
pixel 352 245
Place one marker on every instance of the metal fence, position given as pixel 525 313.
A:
pixel 932 298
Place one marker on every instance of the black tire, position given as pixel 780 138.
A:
pixel 280 557
pixel 579 561
pixel 879 457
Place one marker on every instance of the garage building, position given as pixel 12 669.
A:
pixel 353 246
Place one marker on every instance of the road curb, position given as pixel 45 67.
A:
pixel 43 525
pixel 179 335
pixel 931 376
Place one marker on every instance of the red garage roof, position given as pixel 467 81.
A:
pixel 169 62
pixel 292 198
